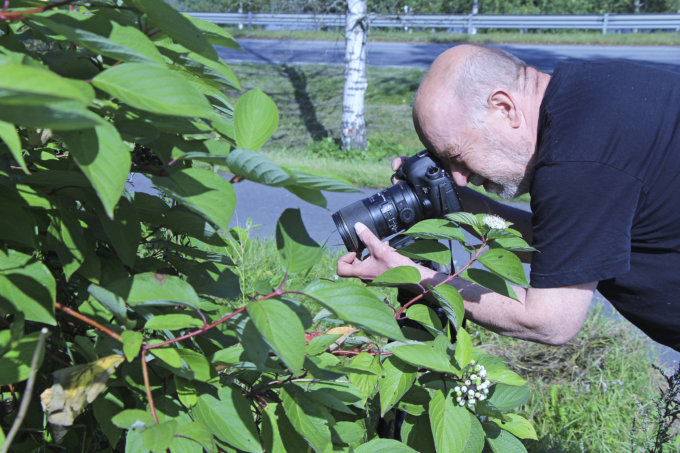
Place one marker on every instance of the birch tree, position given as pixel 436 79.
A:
pixel 353 122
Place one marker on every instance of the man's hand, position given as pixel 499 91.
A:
pixel 381 258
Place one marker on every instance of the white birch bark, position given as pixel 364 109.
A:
pixel 353 123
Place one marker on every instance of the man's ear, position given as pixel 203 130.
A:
pixel 502 102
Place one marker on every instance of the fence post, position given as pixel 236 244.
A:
pixel 475 10
pixel 250 19
pixel 240 11
pixel 604 23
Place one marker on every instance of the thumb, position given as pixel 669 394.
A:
pixel 370 240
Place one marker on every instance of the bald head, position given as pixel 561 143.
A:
pixel 457 88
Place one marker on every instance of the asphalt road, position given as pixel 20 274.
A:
pixel 421 55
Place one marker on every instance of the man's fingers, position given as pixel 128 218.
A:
pixel 396 163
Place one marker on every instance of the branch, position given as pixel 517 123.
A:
pixel 147 386
pixel 89 321
pixel 26 399
pixel 474 257
pixel 20 15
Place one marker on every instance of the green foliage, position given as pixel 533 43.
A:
pixel 156 328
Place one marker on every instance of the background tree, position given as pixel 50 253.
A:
pixel 353 121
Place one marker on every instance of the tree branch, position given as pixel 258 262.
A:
pixel 26 398
pixel 89 321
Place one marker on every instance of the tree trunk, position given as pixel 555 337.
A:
pixel 353 123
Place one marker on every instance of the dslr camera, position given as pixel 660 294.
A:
pixel 426 190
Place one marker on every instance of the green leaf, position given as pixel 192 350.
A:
pixel 426 317
pixel 489 281
pixel 9 135
pixel 169 355
pixel 475 441
pixel 505 264
pixel 319 180
pixel 26 285
pixel 104 409
pixel 129 417
pixel 256 167
pixel 152 287
pixel 59 116
pixel 398 276
pixel 123 231
pixel 111 301
pixel 122 44
pixel 153 89
pixel 312 196
pixel 158 437
pixel 356 305
pixel 463 354
pixel 229 419
pixel 173 321
pixel 319 344
pixel 31 86
pixel 15 364
pixel 366 381
pixel 422 355
pixel 517 425
pixel 464 218
pixel 103 157
pixel 505 397
pixel 438 229
pixel 450 424
pixel 278 435
pixel 204 192
pixel 497 370
pixel 451 302
pixel 309 419
pixel 384 446
pixel 198 433
pixel 214 33
pixel 17 223
pixel 501 441
pixel 429 250
pixel 132 343
pixel 255 119
pixel 297 250
pixel 282 330
pixel 65 236
pixel 416 432
pixel 177 26
pixel 396 380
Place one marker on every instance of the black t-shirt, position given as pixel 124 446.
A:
pixel 605 195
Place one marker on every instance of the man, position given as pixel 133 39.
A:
pixel 598 148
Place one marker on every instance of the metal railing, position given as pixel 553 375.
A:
pixel 457 23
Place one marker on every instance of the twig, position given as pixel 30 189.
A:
pixel 20 15
pixel 26 399
pixel 147 386
pixel 473 258
pixel 89 321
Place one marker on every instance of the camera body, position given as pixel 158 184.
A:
pixel 426 190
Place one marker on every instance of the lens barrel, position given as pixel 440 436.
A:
pixel 385 213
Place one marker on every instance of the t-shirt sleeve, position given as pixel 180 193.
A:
pixel 583 213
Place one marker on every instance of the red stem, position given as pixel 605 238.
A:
pixel 19 15
pixel 89 321
pixel 446 280
pixel 147 386
pixel 197 332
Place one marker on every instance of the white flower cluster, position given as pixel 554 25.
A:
pixel 494 221
pixel 475 386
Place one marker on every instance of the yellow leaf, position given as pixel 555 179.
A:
pixel 76 387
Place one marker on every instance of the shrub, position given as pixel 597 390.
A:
pixel 128 311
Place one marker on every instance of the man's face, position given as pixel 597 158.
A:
pixel 491 159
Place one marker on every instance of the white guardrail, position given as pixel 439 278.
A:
pixel 458 23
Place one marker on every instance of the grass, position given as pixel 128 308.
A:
pixel 586 395
pixel 661 38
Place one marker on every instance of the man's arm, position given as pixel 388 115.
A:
pixel 550 316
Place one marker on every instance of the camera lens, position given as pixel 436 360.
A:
pixel 385 213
